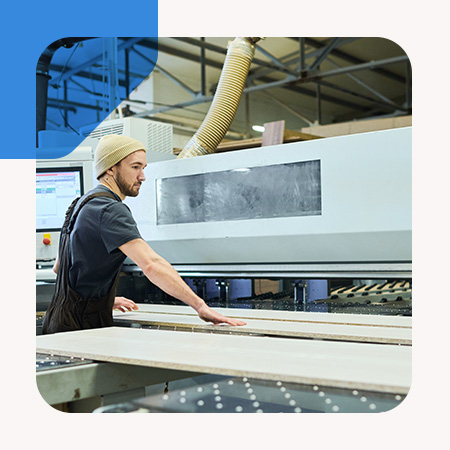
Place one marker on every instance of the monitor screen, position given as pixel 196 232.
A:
pixel 55 191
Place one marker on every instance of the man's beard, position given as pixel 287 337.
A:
pixel 127 189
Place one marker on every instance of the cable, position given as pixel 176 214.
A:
pixel 59 86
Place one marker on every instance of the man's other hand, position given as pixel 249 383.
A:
pixel 124 304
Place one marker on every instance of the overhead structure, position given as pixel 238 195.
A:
pixel 329 80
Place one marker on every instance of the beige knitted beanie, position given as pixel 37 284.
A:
pixel 112 149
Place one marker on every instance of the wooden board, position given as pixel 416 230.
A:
pixel 308 330
pixel 289 136
pixel 382 368
pixel 291 316
pixel 358 126
pixel 273 133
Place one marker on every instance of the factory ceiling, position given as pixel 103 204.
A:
pixel 314 80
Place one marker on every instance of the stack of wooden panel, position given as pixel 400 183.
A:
pixel 363 364
pixel 341 327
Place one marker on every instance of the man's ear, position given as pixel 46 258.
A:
pixel 111 171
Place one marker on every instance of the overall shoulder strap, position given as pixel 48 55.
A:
pixel 62 278
pixel 77 204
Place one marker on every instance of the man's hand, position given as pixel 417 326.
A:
pixel 209 315
pixel 124 304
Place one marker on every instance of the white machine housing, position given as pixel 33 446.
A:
pixel 365 218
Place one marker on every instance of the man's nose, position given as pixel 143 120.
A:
pixel 142 176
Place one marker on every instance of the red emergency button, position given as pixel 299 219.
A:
pixel 46 241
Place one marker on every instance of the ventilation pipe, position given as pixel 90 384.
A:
pixel 43 76
pixel 226 100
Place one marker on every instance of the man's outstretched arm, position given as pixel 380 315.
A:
pixel 163 275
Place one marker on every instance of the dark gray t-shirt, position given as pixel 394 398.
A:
pixel 102 226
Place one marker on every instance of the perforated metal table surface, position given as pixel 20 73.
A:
pixel 218 394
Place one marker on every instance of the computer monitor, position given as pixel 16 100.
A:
pixel 55 191
pixel 58 183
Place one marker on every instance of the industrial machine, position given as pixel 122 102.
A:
pixel 314 217
pixel 340 203
pixel 316 227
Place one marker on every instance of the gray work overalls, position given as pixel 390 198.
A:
pixel 68 311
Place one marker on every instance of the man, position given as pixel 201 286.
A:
pixel 98 234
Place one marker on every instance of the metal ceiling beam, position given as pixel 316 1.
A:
pixel 408 86
pixel 92 76
pixel 270 82
pixel 129 42
pixel 299 90
pixel 380 103
pixel 84 88
pixel 165 72
pixel 320 55
pixel 299 57
pixel 294 58
pixel 365 86
pixel 301 65
pixel 276 61
pixel 202 69
pixel 127 71
pixel 223 51
pixel 113 73
pixel 353 59
pixel 163 48
pixel 206 99
pixel 288 84
pixel 318 77
pixel 318 104
pixel 325 52
pixel 70 105
pixel 192 57
pixel 364 66
pixel 196 101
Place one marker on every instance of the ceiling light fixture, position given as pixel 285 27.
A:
pixel 258 128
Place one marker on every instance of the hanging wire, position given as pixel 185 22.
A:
pixel 58 86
